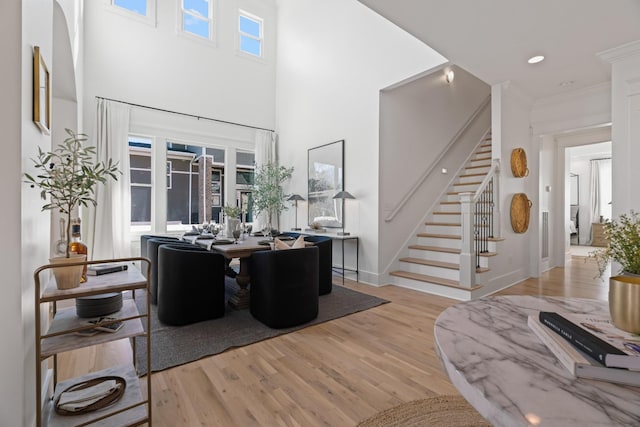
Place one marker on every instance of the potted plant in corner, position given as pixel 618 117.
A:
pixel 268 195
pixel 68 176
pixel 624 288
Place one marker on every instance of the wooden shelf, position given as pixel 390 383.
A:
pixel 132 396
pixel 134 407
pixel 112 282
pixel 66 320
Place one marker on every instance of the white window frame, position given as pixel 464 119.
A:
pixel 240 34
pixel 181 31
pixel 149 18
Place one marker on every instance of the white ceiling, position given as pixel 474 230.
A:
pixel 493 39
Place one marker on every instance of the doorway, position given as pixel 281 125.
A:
pixel 589 201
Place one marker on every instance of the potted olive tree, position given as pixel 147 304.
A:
pixel 624 287
pixel 268 194
pixel 67 176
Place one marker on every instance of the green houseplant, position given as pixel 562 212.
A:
pixel 268 194
pixel 624 245
pixel 624 288
pixel 68 175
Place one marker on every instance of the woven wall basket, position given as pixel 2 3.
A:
pixel 520 209
pixel 519 163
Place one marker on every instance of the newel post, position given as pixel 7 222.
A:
pixel 467 254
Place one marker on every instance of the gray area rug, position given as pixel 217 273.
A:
pixel 176 345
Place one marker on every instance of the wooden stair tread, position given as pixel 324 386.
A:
pixel 481 159
pixel 439 236
pixel 445 224
pixel 450 203
pixel 435 249
pixel 468 183
pixel 446 213
pixel 434 280
pixel 483 151
pixel 469 175
pixel 488 254
pixel 481 270
pixel 488 165
pixel 431 263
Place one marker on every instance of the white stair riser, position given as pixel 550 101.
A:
pixel 470 188
pixel 442 229
pixel 434 255
pixel 447 217
pixel 432 288
pixel 466 179
pixel 440 242
pixel 430 270
pixel 453 208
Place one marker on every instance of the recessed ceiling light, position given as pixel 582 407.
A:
pixel 535 59
pixel 566 83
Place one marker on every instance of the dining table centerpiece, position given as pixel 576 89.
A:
pixel 67 177
pixel 623 235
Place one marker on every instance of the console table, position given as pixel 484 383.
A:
pixel 342 239
pixel 512 379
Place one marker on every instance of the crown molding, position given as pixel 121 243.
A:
pixel 621 53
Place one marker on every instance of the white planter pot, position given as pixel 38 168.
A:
pixel 230 225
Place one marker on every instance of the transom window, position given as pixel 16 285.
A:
pixel 137 6
pixel 197 18
pixel 251 34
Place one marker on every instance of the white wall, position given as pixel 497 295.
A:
pixel 418 119
pixel 155 66
pixel 334 57
pixel 519 252
pixel 625 132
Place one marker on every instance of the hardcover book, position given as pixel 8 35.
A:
pixel 99 269
pixel 596 337
pixel 577 363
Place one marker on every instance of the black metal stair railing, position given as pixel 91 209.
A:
pixel 483 220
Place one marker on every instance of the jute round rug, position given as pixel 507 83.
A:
pixel 438 411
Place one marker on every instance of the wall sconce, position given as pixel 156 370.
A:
pixel 449 75
pixel 294 198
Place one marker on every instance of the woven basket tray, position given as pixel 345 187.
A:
pixel 520 208
pixel 519 163
pixel 102 403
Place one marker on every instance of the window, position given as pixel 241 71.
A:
pixel 140 175
pixel 137 6
pixel 250 28
pixel 197 18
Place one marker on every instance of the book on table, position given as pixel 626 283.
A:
pixel 577 363
pixel 100 269
pixel 597 337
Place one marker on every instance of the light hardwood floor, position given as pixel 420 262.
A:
pixel 333 374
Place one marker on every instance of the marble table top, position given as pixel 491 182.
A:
pixel 512 379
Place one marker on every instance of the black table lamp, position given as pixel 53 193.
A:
pixel 294 198
pixel 343 195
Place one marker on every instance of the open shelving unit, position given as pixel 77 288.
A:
pixel 134 407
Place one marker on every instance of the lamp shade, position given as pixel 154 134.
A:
pixel 295 198
pixel 343 195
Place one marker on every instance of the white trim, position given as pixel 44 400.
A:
pixel 149 19
pixel 260 21
pixel 180 31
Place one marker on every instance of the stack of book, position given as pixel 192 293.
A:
pixel 590 346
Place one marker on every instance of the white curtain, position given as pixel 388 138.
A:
pixel 265 153
pixel 108 225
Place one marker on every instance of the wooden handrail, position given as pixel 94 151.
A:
pixel 444 151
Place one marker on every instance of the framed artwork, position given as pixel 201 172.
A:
pixel 325 180
pixel 41 93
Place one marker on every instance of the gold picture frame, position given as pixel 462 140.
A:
pixel 41 92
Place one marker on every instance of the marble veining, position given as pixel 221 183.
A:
pixel 512 379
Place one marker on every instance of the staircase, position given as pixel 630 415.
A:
pixel 433 261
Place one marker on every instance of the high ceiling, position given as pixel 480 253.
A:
pixel 493 39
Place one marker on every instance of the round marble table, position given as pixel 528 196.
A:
pixel 510 377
